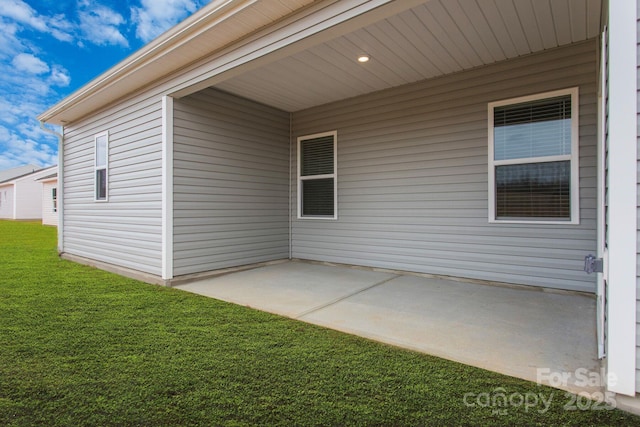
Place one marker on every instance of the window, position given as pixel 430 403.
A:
pixel 317 176
pixel 102 167
pixel 54 198
pixel 533 158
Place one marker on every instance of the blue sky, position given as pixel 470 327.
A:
pixel 50 48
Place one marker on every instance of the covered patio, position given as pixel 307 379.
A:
pixel 407 175
pixel 403 92
pixel 367 132
pixel 524 332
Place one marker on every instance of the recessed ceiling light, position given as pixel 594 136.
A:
pixel 363 58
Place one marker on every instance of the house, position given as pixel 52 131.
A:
pixel 50 199
pixel 8 174
pixel 487 140
pixel 21 196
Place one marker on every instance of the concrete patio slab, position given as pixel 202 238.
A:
pixel 514 331
pixel 506 330
pixel 290 289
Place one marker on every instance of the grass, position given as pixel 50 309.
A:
pixel 79 346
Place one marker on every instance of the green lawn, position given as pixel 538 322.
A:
pixel 79 346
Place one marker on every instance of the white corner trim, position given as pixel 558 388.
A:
pixel 621 329
pixel 167 188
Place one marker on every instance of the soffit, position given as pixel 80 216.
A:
pixel 435 38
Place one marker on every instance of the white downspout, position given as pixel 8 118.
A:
pixel 60 190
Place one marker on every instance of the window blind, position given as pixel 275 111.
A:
pixel 533 129
pixel 317 176
pixel 534 190
pixel 317 197
pixel 317 156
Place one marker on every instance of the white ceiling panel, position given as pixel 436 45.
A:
pixel 435 38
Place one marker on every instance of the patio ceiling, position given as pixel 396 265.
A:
pixel 436 38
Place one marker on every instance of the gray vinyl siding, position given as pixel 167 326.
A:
pixel 126 230
pixel 231 182
pixel 413 174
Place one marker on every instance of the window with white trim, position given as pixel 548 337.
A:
pixel 533 158
pixel 54 198
pixel 102 167
pixel 317 176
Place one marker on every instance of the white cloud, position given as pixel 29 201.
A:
pixel 96 23
pixel 24 14
pixel 59 76
pixel 32 78
pixel 30 64
pixel 61 28
pixel 30 130
pixel 17 107
pixel 9 42
pixel 27 88
pixel 18 150
pixel 100 25
pixel 156 16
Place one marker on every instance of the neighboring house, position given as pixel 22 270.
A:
pixel 475 142
pixel 21 196
pixel 50 198
pixel 6 190
pixel 8 174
